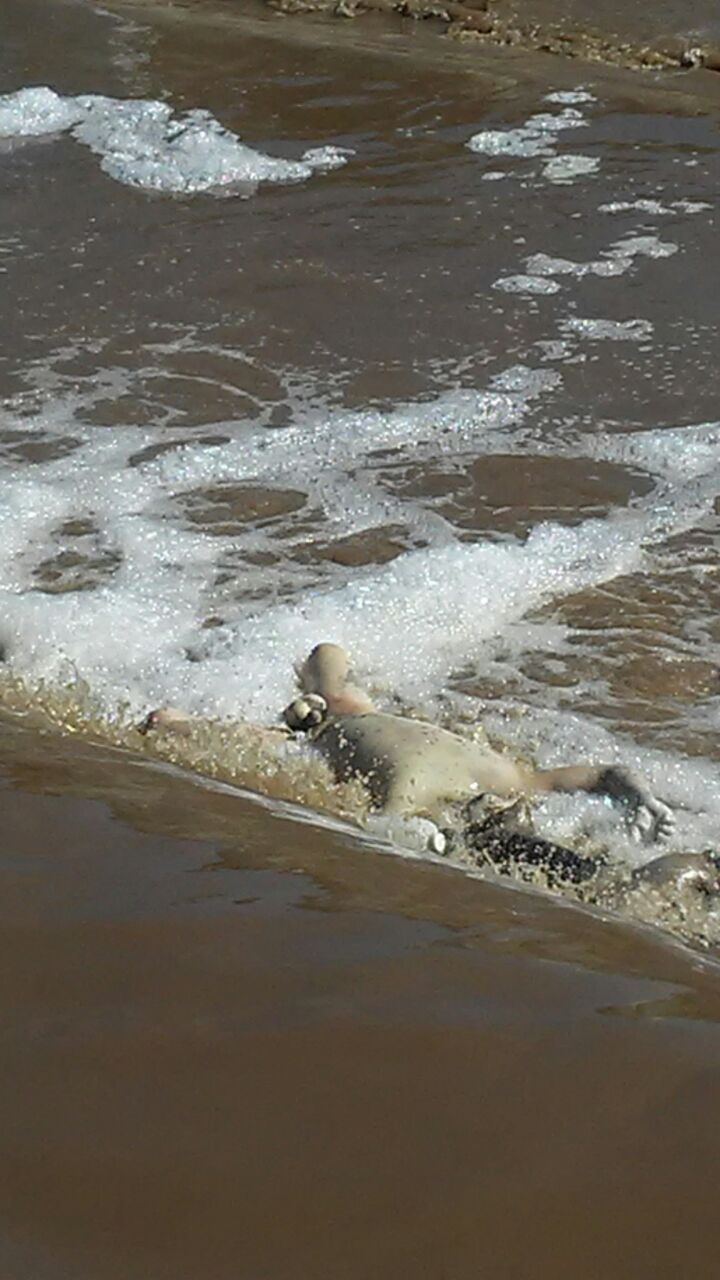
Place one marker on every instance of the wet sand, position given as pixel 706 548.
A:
pixel 665 36
pixel 234 1047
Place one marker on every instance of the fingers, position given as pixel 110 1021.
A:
pixel 651 821
pixel 305 713
pixel 664 821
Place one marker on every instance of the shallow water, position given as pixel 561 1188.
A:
pixel 241 1045
pixel 453 404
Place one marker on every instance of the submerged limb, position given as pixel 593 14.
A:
pixel 679 872
pixel 648 817
pixel 168 720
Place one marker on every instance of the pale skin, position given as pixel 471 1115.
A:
pixel 411 767
pixel 326 671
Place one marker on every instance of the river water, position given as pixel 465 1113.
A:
pixel 308 334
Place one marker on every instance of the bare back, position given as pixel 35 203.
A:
pixel 410 766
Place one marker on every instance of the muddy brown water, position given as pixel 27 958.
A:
pixel 237 1044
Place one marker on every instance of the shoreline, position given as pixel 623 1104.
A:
pixel 493 44
pixel 484 24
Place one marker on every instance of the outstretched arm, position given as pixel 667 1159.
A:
pixel 169 719
pixel 648 817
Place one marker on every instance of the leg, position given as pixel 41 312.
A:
pixel 648 818
pixel 697 872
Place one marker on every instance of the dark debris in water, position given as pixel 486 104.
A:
pixel 679 892
pixel 501 836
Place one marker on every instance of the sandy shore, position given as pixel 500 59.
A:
pixel 668 37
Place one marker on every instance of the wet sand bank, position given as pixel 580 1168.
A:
pixel 668 36
pixel 234 1048
pixel 639 63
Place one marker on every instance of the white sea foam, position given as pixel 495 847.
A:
pixel 642 246
pixel 616 260
pixel 679 455
pixel 165 569
pixel 523 141
pixel 608 330
pixel 143 143
pixel 538 138
pixel 409 623
pixel 526 284
pixel 331 443
pixel 541 264
pixel 571 97
pixel 655 208
pixel 31 113
pixel 566 168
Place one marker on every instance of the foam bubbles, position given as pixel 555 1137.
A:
pixel 136 638
pixel 524 141
pixel 409 623
pixel 538 137
pixel 654 208
pixel 608 330
pixel 128 636
pixel 526 284
pixel 617 260
pixel 677 454
pixel 143 143
pixel 571 97
pixel 34 112
pixel 565 169
pixel 642 246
